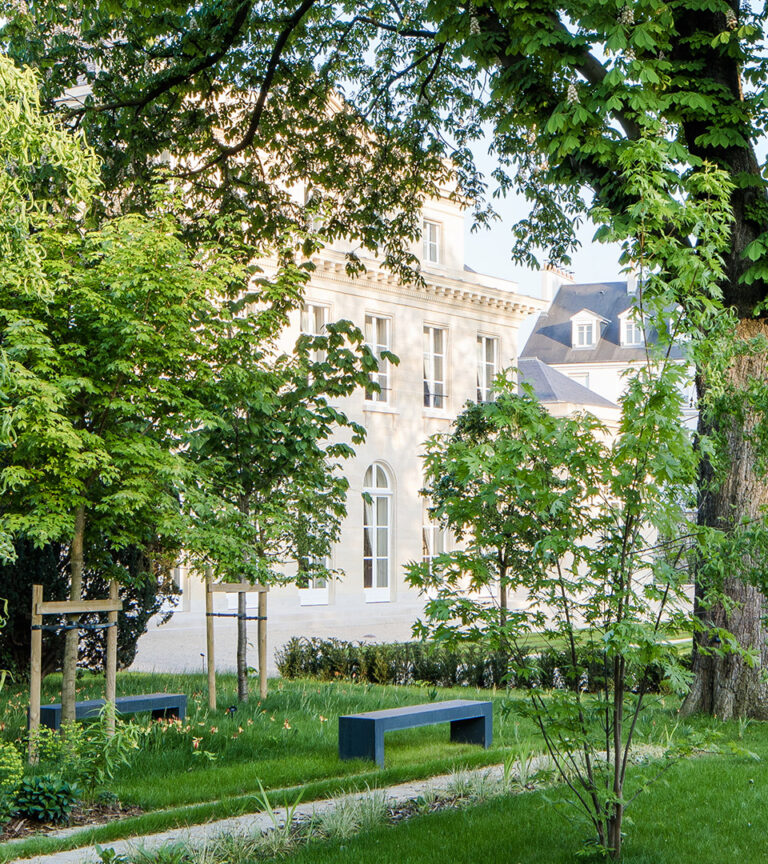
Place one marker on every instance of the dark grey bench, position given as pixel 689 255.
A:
pixel 160 704
pixel 361 736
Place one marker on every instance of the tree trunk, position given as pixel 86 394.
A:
pixel 614 832
pixel 72 638
pixel 242 648
pixel 727 686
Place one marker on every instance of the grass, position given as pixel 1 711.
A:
pixel 211 766
pixel 708 810
pixel 288 741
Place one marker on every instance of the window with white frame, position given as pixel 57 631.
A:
pixel 314 317
pixel 431 237
pixel 584 334
pixel 312 572
pixel 377 531
pixel 580 378
pixel 632 332
pixel 313 581
pixel 435 343
pixel 487 366
pixel 378 335
pixel 434 540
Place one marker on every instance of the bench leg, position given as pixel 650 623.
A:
pixel 361 740
pixel 475 730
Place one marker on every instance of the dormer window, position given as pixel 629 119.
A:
pixel 586 329
pixel 632 332
pixel 585 334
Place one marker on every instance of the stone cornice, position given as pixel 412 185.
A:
pixel 446 289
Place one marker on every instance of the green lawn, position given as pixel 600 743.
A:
pixel 707 810
pixel 211 766
pixel 288 741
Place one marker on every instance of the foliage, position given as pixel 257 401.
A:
pixel 88 755
pixel 439 665
pixel 48 177
pixel 558 93
pixel 590 530
pixel 11 774
pixel 269 485
pixel 143 595
pixel 46 798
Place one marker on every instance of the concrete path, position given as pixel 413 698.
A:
pixel 257 823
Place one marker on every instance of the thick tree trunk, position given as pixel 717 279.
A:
pixel 728 686
pixel 72 637
pixel 242 648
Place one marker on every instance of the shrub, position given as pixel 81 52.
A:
pixel 46 798
pixel 86 754
pixel 11 773
pixel 440 665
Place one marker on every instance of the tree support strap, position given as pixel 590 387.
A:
pixel 60 628
pixel 236 615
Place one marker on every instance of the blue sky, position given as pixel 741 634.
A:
pixel 488 251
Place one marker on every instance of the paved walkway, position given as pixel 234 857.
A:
pixel 257 823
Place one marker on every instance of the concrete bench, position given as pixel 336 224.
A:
pixel 361 736
pixel 160 704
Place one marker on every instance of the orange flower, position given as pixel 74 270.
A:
pixel 286 724
pixel 196 743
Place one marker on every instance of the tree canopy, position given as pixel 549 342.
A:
pixel 241 100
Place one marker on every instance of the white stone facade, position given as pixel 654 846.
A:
pixel 449 333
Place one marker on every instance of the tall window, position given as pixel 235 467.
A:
pixel 580 378
pixel 377 527
pixel 433 540
pixel 487 366
pixel 378 337
pixel 431 236
pixel 585 334
pixel 435 339
pixel 314 317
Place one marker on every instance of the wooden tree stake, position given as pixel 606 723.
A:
pixel 111 661
pixel 262 630
pixel 35 672
pixel 209 638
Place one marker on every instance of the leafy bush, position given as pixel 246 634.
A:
pixel 86 754
pixel 390 663
pixel 442 666
pixel 11 773
pixel 46 798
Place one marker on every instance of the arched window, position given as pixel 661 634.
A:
pixel 377 531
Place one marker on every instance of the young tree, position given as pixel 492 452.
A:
pixel 269 489
pixel 590 532
pixel 102 388
pixel 47 176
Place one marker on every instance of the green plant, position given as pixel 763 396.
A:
pixel 87 754
pixel 589 529
pixel 46 798
pixel 11 773
pixel 279 837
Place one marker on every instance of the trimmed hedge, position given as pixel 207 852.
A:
pixel 439 665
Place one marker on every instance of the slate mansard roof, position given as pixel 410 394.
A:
pixel 551 386
pixel 550 340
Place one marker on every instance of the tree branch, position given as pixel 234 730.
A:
pixel 179 76
pixel 266 84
